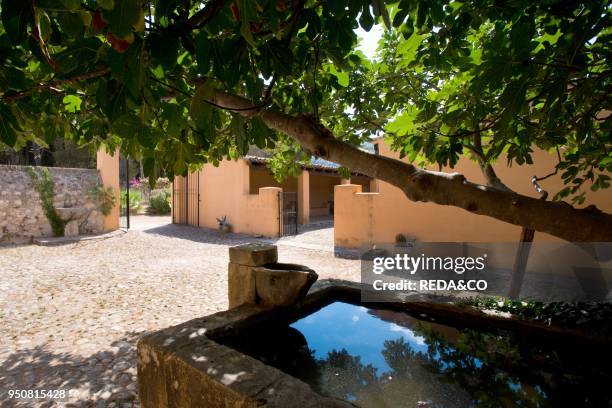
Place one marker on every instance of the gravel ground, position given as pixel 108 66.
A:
pixel 71 314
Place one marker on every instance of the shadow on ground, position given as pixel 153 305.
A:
pixel 104 379
pixel 203 235
pixel 214 237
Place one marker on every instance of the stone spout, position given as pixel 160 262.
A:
pixel 255 276
pixel 73 215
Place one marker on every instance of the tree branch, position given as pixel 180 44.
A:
pixel 54 83
pixel 556 218
pixel 485 167
pixel 206 14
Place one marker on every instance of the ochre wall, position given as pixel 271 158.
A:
pixel 321 192
pixel 224 191
pixel 321 186
pixel 108 166
pixel 363 219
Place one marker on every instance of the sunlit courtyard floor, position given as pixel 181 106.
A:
pixel 71 315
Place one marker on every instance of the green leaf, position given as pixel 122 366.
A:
pixel 148 167
pixel 72 103
pixel 130 126
pixel 238 130
pixel 8 124
pixel 106 4
pixel 164 49
pixel 199 108
pixel 259 131
pixel 16 15
pixel 123 17
pixel 248 15
pixel 366 20
pixel 80 52
pixel 343 77
pixel 203 52
pixel 71 4
pixel 399 17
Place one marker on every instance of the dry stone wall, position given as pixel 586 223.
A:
pixel 21 213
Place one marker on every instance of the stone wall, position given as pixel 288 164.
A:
pixel 21 213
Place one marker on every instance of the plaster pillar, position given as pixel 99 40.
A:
pixel 373 186
pixel 108 166
pixel 303 188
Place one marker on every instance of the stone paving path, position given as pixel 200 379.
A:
pixel 71 315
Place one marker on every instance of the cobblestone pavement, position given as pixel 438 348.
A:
pixel 71 315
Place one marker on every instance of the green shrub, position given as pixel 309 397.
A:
pixel 135 200
pixel 160 203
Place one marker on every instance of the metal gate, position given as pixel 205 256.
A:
pixel 124 184
pixel 290 214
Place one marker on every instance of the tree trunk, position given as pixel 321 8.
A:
pixel 520 262
pixel 556 218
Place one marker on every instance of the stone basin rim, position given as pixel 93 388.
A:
pixel 194 347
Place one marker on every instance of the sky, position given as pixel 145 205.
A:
pixel 369 40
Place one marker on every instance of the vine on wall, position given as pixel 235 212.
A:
pixel 45 187
pixel 104 197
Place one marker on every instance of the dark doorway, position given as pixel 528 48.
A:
pixel 290 214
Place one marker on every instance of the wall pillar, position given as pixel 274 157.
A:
pixel 303 197
pixel 373 186
pixel 108 166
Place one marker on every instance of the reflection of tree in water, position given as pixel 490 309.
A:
pixel 343 375
pixel 480 369
pixel 473 369
pixel 503 371
pixel 409 382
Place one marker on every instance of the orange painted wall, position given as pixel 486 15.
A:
pixel 321 186
pixel 108 166
pixel 321 193
pixel 364 219
pixel 224 191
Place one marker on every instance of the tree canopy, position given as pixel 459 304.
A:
pixel 180 83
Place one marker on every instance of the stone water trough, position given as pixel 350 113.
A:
pixel 207 362
pixel 183 366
